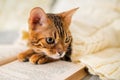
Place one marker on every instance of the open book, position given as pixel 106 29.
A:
pixel 59 70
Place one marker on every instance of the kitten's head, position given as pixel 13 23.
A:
pixel 49 33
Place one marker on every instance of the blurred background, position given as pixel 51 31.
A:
pixel 14 15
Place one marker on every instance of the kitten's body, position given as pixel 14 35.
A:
pixel 49 37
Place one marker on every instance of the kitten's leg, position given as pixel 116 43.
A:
pixel 40 59
pixel 24 56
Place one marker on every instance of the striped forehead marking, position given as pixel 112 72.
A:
pixel 58 23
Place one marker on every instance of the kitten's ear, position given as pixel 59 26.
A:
pixel 67 16
pixel 37 16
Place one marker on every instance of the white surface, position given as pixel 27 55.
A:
pixel 58 70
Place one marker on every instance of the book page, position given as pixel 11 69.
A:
pixel 58 70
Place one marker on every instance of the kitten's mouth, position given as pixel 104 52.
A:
pixel 57 55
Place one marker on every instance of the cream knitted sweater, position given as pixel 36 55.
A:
pixel 96 34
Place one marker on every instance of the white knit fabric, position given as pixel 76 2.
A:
pixel 95 27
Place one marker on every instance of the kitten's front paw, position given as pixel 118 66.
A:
pixel 24 56
pixel 40 59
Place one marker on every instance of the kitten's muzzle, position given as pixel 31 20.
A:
pixel 60 53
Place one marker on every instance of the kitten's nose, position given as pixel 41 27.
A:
pixel 60 53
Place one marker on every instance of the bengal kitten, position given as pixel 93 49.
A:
pixel 49 37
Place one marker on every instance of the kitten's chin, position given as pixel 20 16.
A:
pixel 57 55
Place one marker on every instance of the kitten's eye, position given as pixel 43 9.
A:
pixel 50 40
pixel 67 39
